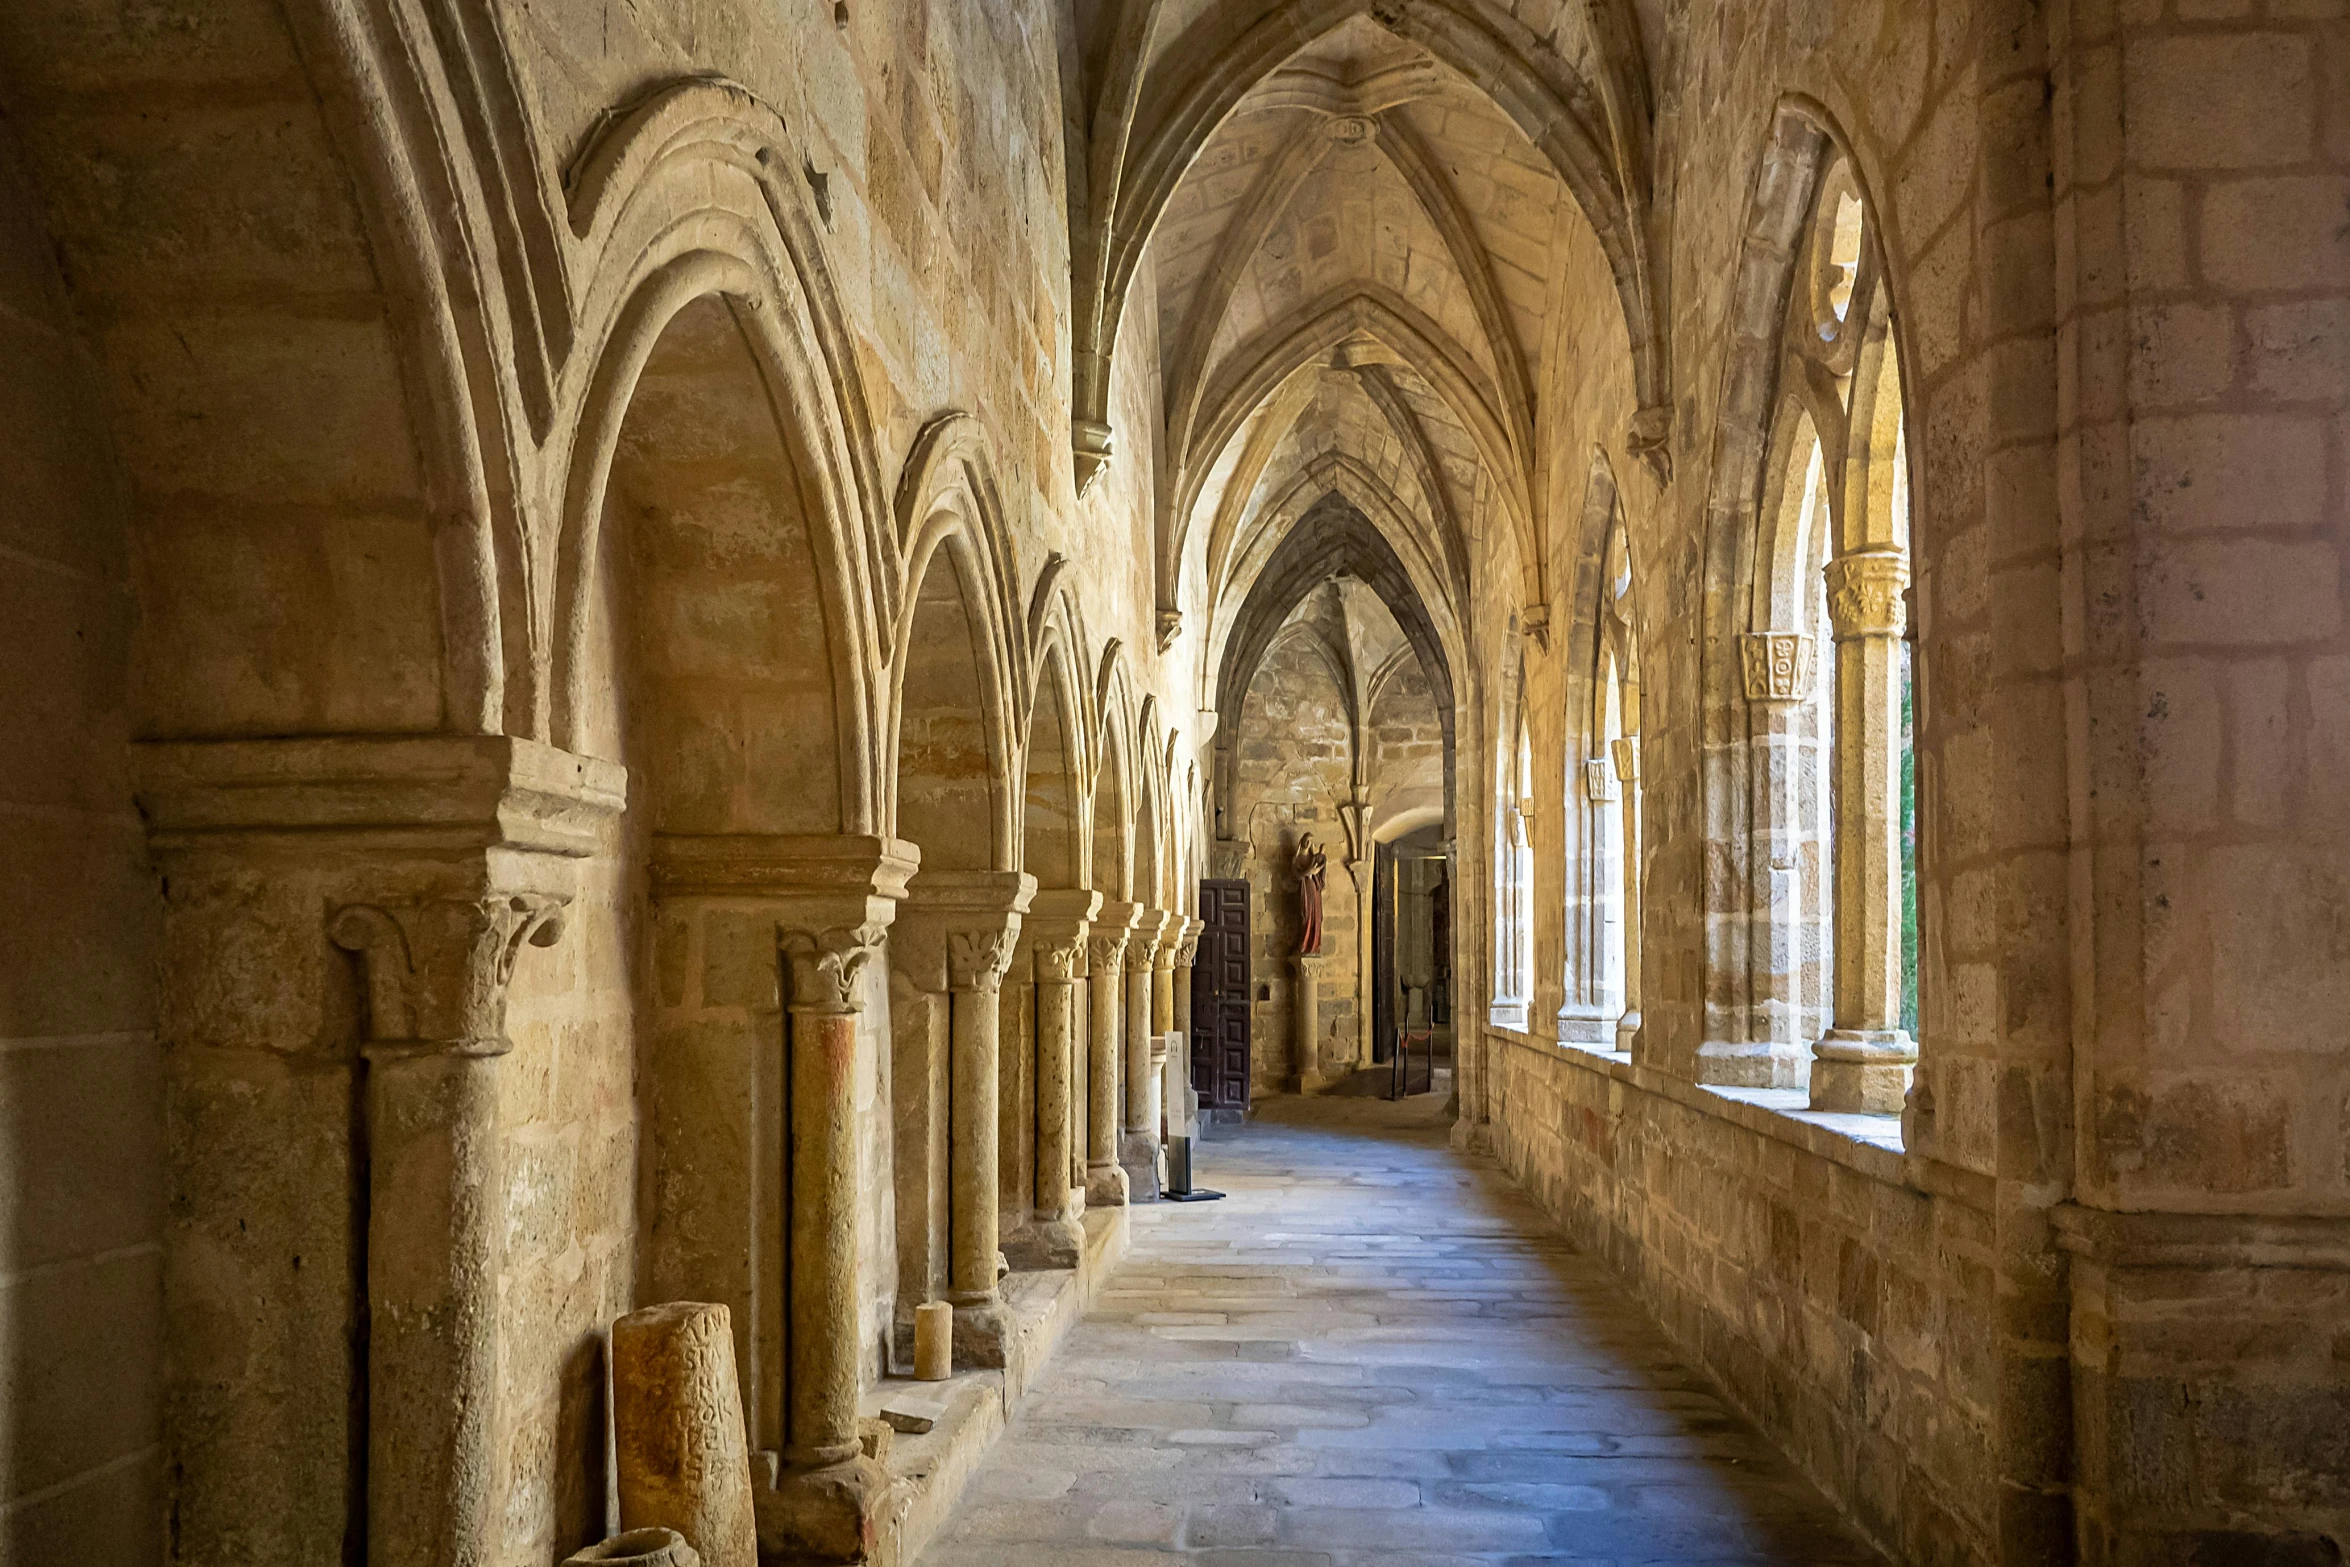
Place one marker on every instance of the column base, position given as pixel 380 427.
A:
pixel 1857 1072
pixel 1138 1156
pixel 1105 1186
pixel 983 1333
pixel 831 1513
pixel 1047 1243
pixel 1751 1063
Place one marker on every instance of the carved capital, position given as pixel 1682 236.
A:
pixel 436 971
pixel 826 965
pixel 1106 950
pixel 1627 759
pixel 1599 781
pixel 1778 665
pixel 1142 950
pixel 1187 951
pixel 1060 957
pixel 1170 627
pixel 1864 593
pixel 976 959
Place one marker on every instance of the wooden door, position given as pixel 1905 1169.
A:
pixel 1220 999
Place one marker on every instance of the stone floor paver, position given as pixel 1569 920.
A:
pixel 1374 1352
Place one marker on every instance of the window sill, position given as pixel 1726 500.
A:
pixel 1870 1144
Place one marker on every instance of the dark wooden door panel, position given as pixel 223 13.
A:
pixel 1220 998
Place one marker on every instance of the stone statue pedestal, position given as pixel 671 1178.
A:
pixel 1305 1026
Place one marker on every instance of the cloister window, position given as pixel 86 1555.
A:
pixel 1827 673
pixel 1513 879
pixel 1614 780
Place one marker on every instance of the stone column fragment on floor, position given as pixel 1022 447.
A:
pixel 1863 1063
pixel 677 1430
pixel 1138 1139
pixel 1056 930
pixel 1105 1181
pixel 315 889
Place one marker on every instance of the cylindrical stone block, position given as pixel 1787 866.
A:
pixel 677 1419
pixel 638 1548
pixel 934 1341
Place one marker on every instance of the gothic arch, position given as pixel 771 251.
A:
pixel 948 502
pixel 651 204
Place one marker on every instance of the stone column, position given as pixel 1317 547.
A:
pixel 1760 1024
pixel 1626 755
pixel 957 930
pixel 1105 1182
pixel 435 982
pixel 1306 1022
pixel 342 919
pixel 827 1499
pixel 1590 1012
pixel 1056 929
pixel 1186 967
pixel 1863 1063
pixel 1138 1142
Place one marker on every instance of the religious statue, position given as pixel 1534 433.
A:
pixel 1309 863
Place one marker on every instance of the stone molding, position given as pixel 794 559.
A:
pixel 843 869
pixel 1056 927
pixel 1142 947
pixel 1865 591
pixel 1778 665
pixel 1105 944
pixel 946 912
pixel 437 969
pixel 427 793
pixel 2203 1240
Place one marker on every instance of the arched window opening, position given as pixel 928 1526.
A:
pixel 1513 878
pixel 1829 676
pixel 1616 782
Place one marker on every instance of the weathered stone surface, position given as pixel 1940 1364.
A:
pixel 677 1424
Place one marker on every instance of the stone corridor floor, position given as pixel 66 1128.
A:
pixel 1373 1352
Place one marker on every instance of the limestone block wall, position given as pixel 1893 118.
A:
pixel 1846 1309
pixel 81 1101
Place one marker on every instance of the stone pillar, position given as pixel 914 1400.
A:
pixel 432 1209
pixel 1306 1023
pixel 827 1499
pixel 1761 1022
pixel 1163 974
pixel 1105 1182
pixel 1186 965
pixel 1590 1012
pixel 1138 1141
pixel 1863 1063
pixel 342 919
pixel 1625 753
pixel 1056 931
pixel 957 930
